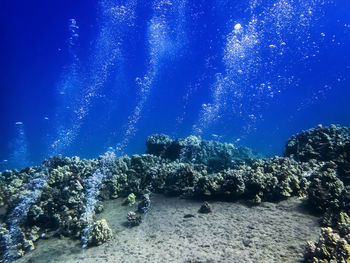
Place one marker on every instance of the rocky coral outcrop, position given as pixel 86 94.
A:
pixel 270 179
pixel 133 219
pixel 326 190
pixel 217 156
pixel 330 143
pixel 329 188
pixel 276 179
pixel 331 247
pixel 130 200
pixel 321 143
pixel 100 233
pixel 205 208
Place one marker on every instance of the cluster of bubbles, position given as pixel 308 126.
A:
pixel 254 68
pixel 165 37
pixel 255 59
pixel 26 199
pixel 115 20
pixel 254 74
pixel 74 35
pixel 67 87
pixel 92 187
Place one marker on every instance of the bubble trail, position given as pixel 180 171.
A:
pixel 165 38
pixel 249 82
pixel 67 87
pixel 27 198
pixel 92 187
pixel 116 18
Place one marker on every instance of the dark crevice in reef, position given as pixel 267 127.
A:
pixel 316 165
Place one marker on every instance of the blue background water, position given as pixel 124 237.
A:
pixel 122 70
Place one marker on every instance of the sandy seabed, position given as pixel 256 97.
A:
pixel 232 232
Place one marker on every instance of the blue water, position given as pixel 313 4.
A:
pixel 79 76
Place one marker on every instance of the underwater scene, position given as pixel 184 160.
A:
pixel 188 131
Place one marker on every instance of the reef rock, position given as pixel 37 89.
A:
pixel 331 247
pixel 326 190
pixel 205 208
pixel 321 143
pixel 130 200
pixel 133 219
pixel 316 165
pixel 270 179
pixel 100 233
pixel 217 156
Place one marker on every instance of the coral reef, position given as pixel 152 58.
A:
pixel 330 143
pixel 270 179
pixel 329 189
pixel 144 204
pixel 316 166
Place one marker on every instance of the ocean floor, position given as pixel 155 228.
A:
pixel 232 232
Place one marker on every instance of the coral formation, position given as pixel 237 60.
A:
pixel 100 233
pixel 329 188
pixel 217 156
pixel 133 219
pixel 321 143
pixel 316 166
pixel 331 247
pixel 130 200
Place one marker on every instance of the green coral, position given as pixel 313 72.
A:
pixel 130 200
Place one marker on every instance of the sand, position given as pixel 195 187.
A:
pixel 232 232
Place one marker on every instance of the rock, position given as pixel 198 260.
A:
pixel 217 156
pixel 99 208
pixel 188 216
pixel 144 204
pixel 325 189
pixel 331 247
pixel 100 233
pixel 330 143
pixel 316 164
pixel 28 245
pixel 157 144
pixel 179 179
pixel 4 237
pixel 205 208
pixel 130 200
pixel 321 143
pixel 133 219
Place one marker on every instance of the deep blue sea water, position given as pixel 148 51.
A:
pixel 79 76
